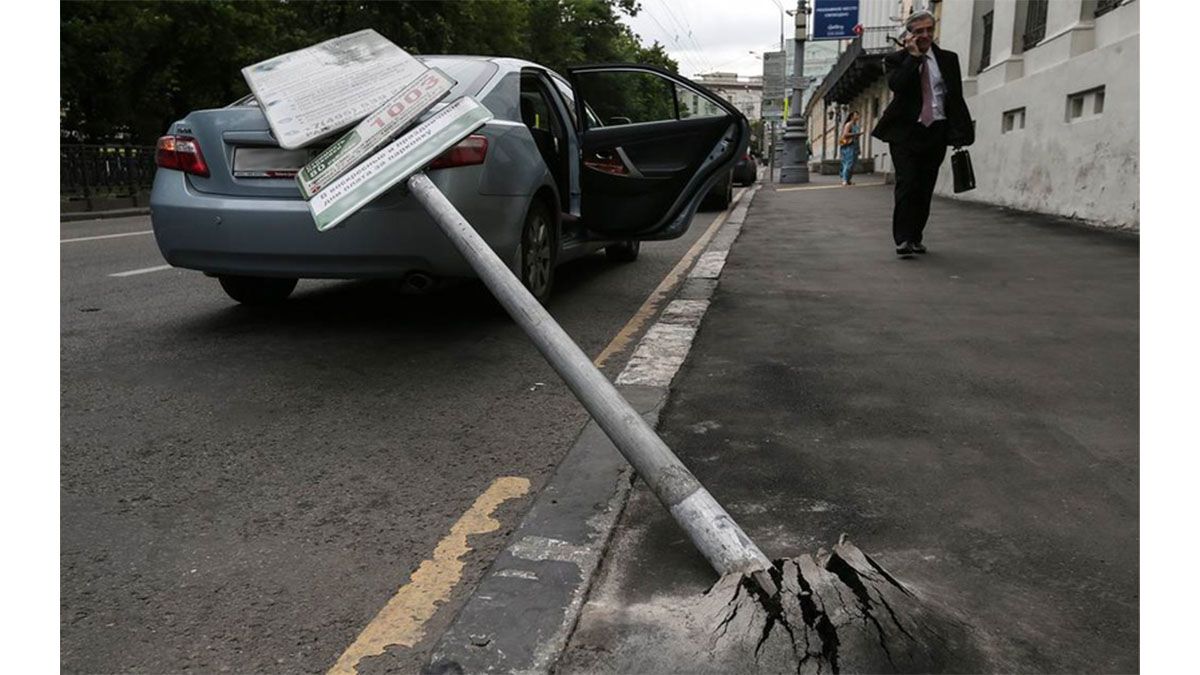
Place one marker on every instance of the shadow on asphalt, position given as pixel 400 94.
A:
pixel 382 305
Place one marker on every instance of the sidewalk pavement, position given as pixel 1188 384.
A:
pixel 968 417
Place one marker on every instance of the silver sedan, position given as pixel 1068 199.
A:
pixel 541 185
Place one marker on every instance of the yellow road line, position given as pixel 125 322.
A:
pixel 826 187
pixel 402 620
pixel 668 284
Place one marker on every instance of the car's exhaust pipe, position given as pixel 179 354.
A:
pixel 417 282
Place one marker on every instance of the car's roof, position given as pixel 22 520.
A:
pixel 504 64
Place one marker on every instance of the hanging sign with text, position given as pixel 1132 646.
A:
pixel 834 19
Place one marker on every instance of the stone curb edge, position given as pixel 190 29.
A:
pixel 521 615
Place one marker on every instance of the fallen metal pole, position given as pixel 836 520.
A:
pixel 712 530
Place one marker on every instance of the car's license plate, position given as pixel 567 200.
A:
pixel 269 162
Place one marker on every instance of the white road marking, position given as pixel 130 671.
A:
pixel 144 270
pixel 710 265
pixel 105 236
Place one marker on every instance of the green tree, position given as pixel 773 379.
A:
pixel 128 69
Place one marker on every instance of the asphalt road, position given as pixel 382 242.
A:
pixel 244 490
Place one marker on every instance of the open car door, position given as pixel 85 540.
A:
pixel 661 144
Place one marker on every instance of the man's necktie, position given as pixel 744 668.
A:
pixel 926 117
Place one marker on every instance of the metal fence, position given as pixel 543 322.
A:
pixel 89 173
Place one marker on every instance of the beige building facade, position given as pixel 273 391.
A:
pixel 1053 89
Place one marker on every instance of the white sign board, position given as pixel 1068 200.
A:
pixel 404 157
pixel 317 91
pixel 374 131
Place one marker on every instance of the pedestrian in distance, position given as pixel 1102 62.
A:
pixel 848 143
pixel 927 113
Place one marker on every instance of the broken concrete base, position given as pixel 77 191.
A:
pixel 837 613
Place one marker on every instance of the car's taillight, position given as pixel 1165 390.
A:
pixel 471 150
pixel 181 153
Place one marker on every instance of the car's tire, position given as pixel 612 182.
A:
pixel 257 290
pixel 624 251
pixel 719 197
pixel 539 251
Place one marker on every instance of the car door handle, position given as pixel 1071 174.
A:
pixel 613 162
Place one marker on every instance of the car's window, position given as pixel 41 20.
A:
pixel 636 96
pixel 569 96
pixel 628 97
pixel 470 74
pixel 694 104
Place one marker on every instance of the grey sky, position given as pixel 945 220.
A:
pixel 705 35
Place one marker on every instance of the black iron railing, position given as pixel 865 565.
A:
pixel 89 172
pixel 1035 22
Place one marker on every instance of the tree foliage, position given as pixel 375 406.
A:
pixel 128 69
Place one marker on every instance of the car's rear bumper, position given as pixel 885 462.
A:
pixel 276 237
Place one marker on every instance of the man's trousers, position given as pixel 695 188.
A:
pixel 916 161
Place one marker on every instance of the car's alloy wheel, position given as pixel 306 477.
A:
pixel 625 251
pixel 538 252
pixel 257 290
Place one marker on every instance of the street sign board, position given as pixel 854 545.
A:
pixel 399 160
pixel 774 84
pixel 834 19
pixel 317 91
pixel 374 131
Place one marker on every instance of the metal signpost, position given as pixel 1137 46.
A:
pixel 334 198
pixel 795 138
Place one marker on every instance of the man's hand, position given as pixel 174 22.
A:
pixel 910 45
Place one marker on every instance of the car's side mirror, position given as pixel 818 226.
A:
pixel 613 121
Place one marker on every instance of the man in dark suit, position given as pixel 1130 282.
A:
pixel 927 113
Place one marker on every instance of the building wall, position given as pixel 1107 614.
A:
pixel 1086 167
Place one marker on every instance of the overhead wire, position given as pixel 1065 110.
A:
pixel 687 31
pixel 684 52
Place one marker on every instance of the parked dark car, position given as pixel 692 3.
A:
pixel 745 172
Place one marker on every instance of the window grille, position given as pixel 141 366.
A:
pixel 985 56
pixel 1106 6
pixel 1035 22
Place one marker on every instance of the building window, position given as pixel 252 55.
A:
pixel 1012 120
pixel 1035 22
pixel 1106 6
pixel 985 56
pixel 1085 104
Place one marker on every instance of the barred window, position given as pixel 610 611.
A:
pixel 1035 22
pixel 985 56
pixel 1106 6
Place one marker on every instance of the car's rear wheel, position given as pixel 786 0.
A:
pixel 257 290
pixel 539 252
pixel 625 251
pixel 719 197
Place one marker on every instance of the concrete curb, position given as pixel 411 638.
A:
pixel 98 215
pixel 521 615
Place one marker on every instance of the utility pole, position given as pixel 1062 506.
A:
pixel 795 136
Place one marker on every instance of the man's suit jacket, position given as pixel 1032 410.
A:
pixel 904 79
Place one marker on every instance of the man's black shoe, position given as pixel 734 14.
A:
pixel 904 249
pixel 917 247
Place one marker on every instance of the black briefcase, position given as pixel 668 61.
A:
pixel 964 173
